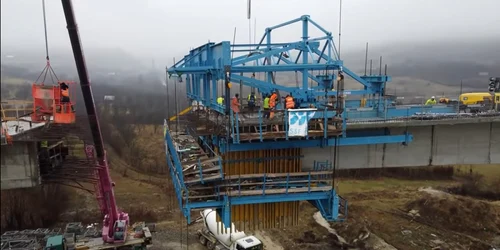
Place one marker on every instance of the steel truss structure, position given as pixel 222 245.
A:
pixel 320 95
pixel 205 67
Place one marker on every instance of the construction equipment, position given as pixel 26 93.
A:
pixel 59 242
pixel 497 101
pixel 115 222
pixel 183 112
pixel 475 98
pixel 494 85
pixel 48 102
pixel 475 102
pixel 216 236
pixel 51 102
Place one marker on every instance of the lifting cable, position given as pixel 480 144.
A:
pixel 335 148
pixel 48 69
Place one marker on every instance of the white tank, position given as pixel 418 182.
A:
pixel 225 235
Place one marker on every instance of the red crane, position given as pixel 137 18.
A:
pixel 115 222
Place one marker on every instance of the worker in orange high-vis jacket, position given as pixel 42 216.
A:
pixel 272 103
pixel 289 103
pixel 235 104
pixel 65 95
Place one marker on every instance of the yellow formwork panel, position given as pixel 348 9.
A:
pixel 267 215
pixel 249 166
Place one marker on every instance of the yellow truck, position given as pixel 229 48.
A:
pixel 476 102
pixel 475 98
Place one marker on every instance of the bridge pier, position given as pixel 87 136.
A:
pixel 19 164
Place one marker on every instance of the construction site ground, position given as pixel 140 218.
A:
pixel 384 213
pixel 404 214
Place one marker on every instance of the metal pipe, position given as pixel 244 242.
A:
pixel 380 67
pixel 366 57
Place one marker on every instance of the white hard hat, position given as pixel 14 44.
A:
pixel 433 97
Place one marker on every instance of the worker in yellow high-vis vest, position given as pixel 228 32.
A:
pixel 266 106
pixel 220 100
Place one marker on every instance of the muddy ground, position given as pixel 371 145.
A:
pixel 384 213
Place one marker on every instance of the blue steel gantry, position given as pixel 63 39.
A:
pixel 198 154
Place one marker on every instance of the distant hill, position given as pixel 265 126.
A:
pixel 417 68
pixel 444 62
pixel 99 60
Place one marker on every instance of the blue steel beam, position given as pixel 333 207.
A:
pixel 198 62
pixel 257 199
pixel 318 198
pixel 311 143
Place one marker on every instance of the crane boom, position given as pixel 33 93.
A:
pixel 115 223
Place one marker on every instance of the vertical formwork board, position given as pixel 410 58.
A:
pixel 265 215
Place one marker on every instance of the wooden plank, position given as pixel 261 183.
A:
pixel 211 160
pixel 282 134
pixel 204 170
pixel 209 178
pixel 279 191
pixel 269 184
pixel 276 175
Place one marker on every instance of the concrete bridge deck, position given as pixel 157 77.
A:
pixel 435 143
pixel 447 140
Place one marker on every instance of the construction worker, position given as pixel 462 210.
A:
pixel 64 92
pixel 235 105
pixel 251 101
pixel 272 103
pixel 220 100
pixel 444 100
pixel 289 103
pixel 65 96
pixel 431 101
pixel 266 106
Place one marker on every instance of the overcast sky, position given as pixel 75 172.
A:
pixel 162 29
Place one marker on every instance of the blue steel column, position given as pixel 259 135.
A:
pixel 268 59
pixel 189 91
pixel 214 90
pixel 305 36
pixel 206 90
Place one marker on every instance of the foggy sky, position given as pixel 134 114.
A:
pixel 162 29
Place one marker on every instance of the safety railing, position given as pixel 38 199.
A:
pixel 175 166
pixel 274 183
pixel 322 166
pixel 14 109
pixel 264 125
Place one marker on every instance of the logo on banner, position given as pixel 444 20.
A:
pixel 298 121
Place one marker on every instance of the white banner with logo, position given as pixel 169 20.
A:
pixel 298 120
